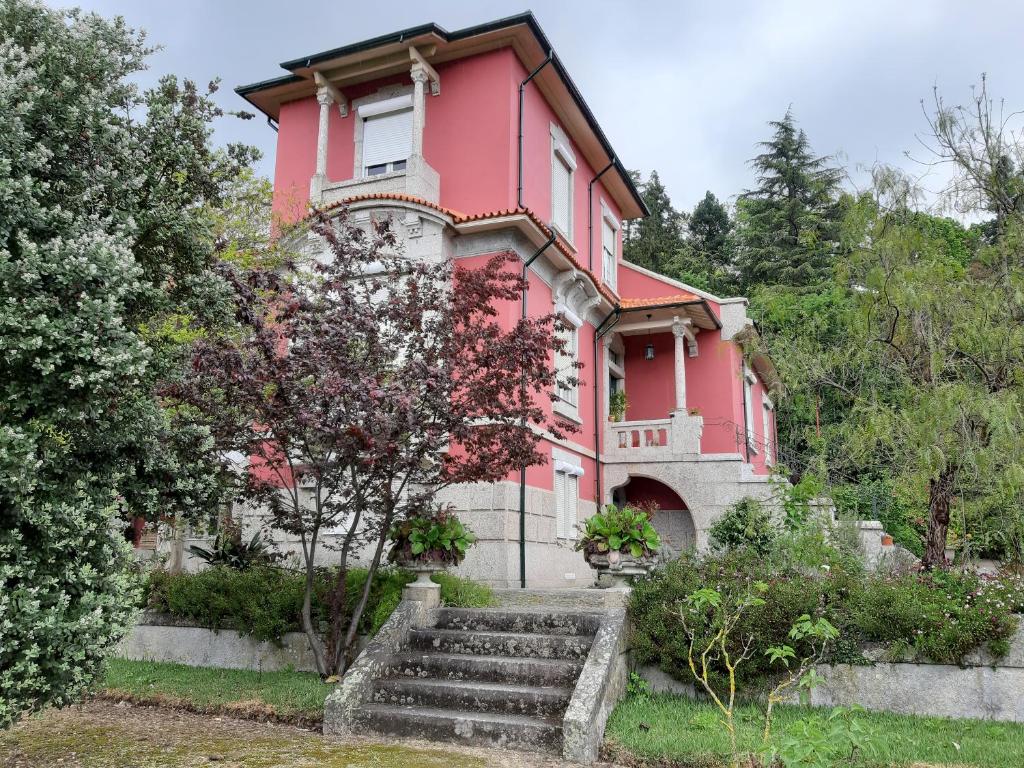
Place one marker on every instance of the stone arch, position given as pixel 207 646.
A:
pixel 672 520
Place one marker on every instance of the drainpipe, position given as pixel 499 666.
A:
pixel 522 469
pixel 599 375
pixel 590 216
pixel 522 87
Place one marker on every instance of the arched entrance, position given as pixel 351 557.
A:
pixel 672 521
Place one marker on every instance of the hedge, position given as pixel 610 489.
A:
pixel 266 602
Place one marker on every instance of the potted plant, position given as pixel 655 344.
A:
pixel 621 542
pixel 617 405
pixel 425 544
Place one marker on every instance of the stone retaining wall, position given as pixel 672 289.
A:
pixel 159 637
pixel 983 688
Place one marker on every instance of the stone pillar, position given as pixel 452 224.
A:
pixel 679 331
pixel 324 99
pixel 419 108
pixel 606 348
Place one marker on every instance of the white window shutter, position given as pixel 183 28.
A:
pixel 572 499
pixel 560 513
pixel 608 243
pixel 561 193
pixel 387 138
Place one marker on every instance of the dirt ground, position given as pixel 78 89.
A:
pixel 101 734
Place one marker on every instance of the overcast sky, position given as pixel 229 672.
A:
pixel 681 87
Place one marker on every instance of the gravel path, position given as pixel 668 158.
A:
pixel 100 734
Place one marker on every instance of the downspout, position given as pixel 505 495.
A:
pixel 522 469
pixel 598 333
pixel 522 88
pixel 590 216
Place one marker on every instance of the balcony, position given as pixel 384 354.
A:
pixel 676 438
pixel 418 179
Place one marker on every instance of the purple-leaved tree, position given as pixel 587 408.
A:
pixel 373 382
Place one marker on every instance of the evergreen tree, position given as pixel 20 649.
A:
pixel 654 241
pixel 706 260
pixel 788 225
pixel 709 228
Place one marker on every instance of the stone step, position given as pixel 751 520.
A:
pixel 515 644
pixel 499 669
pixel 503 620
pixel 476 728
pixel 474 696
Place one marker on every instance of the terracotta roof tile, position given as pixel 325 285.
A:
pixel 393 196
pixel 462 218
pixel 659 300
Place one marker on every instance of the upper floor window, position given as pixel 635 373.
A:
pixel 766 417
pixel 565 364
pixel 563 166
pixel 387 135
pixel 749 379
pixel 609 247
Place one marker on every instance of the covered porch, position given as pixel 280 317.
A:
pixel 649 353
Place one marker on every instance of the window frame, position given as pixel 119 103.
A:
pixel 567 399
pixel 561 152
pixel 610 276
pixel 767 406
pixel 387 100
pixel 566 485
pixel 749 379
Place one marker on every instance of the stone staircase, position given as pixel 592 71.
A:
pixel 532 679
pixel 484 677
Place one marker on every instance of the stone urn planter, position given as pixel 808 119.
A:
pixel 619 569
pixel 423 569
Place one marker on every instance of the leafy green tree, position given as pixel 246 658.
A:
pixel 788 225
pixel 653 241
pixel 103 246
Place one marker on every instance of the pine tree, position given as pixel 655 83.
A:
pixel 709 227
pixel 788 225
pixel 653 242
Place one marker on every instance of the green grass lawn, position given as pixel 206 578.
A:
pixel 288 696
pixel 676 728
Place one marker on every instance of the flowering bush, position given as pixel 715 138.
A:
pixel 437 538
pixel 620 529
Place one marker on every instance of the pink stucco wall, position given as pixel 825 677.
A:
pixel 650 384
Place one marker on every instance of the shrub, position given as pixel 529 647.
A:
pixel 620 529
pixel 941 616
pixel 745 524
pixel 231 550
pixel 265 602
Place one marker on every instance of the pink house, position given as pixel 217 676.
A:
pixel 477 142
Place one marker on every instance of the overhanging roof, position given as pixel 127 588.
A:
pixel 382 57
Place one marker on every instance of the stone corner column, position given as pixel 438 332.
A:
pixel 679 328
pixel 319 180
pixel 419 76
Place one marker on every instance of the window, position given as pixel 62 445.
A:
pixel 609 246
pixel 748 406
pixel 387 135
pixel 563 164
pixel 565 367
pixel 567 498
pixel 766 419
